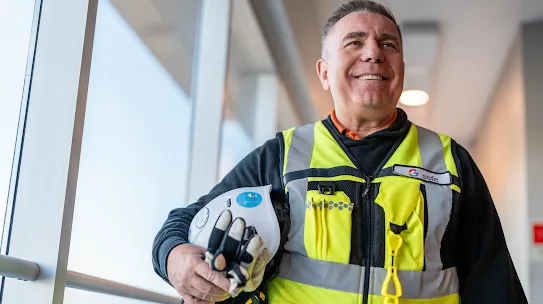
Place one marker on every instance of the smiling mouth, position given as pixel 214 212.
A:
pixel 371 77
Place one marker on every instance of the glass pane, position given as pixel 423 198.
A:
pixel 249 59
pixel 15 32
pixel 76 296
pixel 135 142
pixel 288 118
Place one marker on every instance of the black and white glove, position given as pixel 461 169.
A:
pixel 238 252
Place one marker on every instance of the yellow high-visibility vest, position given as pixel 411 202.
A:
pixel 324 187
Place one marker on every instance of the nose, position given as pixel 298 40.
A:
pixel 372 52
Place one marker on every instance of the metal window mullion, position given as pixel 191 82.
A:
pixel 45 185
pixel 265 121
pixel 208 93
pixel 20 126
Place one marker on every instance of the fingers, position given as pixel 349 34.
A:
pixel 241 274
pixel 257 274
pixel 214 277
pixel 247 258
pixel 188 299
pixel 252 250
pixel 231 244
pixel 204 290
pixel 261 262
pixel 212 255
pixel 238 278
pixel 187 272
pixel 235 289
pixel 219 230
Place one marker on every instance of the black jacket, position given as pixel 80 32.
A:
pixel 474 240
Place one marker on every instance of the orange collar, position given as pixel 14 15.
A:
pixel 350 133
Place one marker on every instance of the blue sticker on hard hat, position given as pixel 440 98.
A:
pixel 249 199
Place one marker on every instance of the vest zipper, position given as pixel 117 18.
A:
pixel 366 194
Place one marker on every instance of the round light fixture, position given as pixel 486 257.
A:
pixel 414 98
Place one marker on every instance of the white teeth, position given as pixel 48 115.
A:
pixel 370 77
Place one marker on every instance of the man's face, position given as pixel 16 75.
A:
pixel 363 61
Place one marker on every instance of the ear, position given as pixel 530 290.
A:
pixel 322 70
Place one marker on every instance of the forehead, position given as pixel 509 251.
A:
pixel 368 22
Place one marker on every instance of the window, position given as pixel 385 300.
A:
pixel 135 141
pixel 75 296
pixel 252 90
pixel 15 33
pixel 146 119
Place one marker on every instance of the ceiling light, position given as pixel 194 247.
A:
pixel 414 98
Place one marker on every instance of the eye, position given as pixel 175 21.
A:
pixel 354 43
pixel 389 45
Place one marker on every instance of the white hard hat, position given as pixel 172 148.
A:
pixel 253 204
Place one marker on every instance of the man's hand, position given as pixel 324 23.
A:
pixel 193 278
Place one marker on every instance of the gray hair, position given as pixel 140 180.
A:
pixel 353 6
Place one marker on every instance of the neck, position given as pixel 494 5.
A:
pixel 365 122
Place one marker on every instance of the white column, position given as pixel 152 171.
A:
pixel 265 115
pixel 208 94
pixel 46 181
pixel 533 79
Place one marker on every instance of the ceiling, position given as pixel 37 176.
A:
pixel 472 44
pixel 474 39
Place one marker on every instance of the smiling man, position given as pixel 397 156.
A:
pixel 381 210
pixel 362 66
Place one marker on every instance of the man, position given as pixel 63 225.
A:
pixel 381 210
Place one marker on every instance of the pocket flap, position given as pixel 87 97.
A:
pixel 399 198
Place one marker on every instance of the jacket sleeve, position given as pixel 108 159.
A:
pixel 485 269
pixel 261 167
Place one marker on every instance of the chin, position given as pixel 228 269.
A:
pixel 372 101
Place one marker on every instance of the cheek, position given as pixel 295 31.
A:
pixel 337 79
pixel 341 74
pixel 401 74
pixel 398 68
pixel 398 82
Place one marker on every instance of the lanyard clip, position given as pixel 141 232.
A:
pixel 392 273
pixel 394 242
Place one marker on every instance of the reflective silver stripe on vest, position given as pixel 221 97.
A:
pixel 301 148
pixel 298 158
pixel 439 198
pixel 350 278
pixel 297 190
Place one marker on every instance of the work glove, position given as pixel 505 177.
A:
pixel 237 251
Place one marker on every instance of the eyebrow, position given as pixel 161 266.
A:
pixel 391 37
pixel 354 35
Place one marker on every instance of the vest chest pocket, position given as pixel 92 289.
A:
pixel 403 204
pixel 327 227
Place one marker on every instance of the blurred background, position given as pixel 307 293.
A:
pixel 179 91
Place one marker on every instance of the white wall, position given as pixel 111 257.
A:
pixel 500 153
